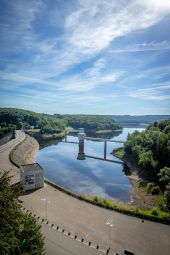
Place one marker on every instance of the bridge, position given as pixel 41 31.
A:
pixel 81 154
pixel 91 138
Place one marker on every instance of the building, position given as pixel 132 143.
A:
pixel 31 176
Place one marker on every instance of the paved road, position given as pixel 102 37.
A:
pixel 5 149
pixel 20 136
pixel 88 222
pixel 58 244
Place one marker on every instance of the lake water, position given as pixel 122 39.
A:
pixel 92 176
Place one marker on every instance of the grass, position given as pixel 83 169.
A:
pixel 105 131
pixel 119 152
pixel 48 136
pixel 155 214
pixel 57 135
pixel 34 130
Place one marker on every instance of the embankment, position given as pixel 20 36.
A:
pixel 25 152
pixel 140 199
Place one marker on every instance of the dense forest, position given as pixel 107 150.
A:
pixel 150 152
pixel 91 122
pixel 22 119
pixel 11 118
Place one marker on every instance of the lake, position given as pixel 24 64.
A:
pixel 92 176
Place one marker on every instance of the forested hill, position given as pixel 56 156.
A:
pixel 91 122
pixel 11 118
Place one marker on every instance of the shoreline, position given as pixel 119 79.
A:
pixel 140 199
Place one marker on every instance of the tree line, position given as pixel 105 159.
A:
pixel 150 152
pixel 91 122
pixel 11 118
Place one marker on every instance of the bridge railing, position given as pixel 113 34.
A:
pixel 102 139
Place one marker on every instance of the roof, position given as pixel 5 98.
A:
pixel 33 167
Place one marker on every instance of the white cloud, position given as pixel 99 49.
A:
pixel 152 93
pixel 83 82
pixel 96 24
pixel 163 5
pixel 151 46
pixel 88 80
pixel 88 29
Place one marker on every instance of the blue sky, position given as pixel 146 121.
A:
pixel 85 56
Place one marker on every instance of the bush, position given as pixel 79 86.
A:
pixel 155 190
pixel 155 211
pixel 150 186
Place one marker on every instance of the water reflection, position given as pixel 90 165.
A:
pixel 104 135
pixel 96 177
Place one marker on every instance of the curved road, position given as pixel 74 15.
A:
pixel 20 136
pixel 5 149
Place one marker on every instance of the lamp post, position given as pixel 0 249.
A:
pixel 110 225
pixel 81 137
pixel 46 205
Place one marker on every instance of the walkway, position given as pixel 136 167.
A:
pixel 88 222
pixel 5 149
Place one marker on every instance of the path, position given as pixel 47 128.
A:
pixel 59 244
pixel 88 221
pixel 5 149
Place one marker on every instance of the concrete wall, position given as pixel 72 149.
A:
pixel 6 138
pixel 31 180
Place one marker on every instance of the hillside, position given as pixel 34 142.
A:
pixel 92 122
pixel 22 119
pixel 50 125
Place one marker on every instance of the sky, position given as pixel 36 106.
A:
pixel 85 56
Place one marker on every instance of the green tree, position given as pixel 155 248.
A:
pixel 147 163
pixel 20 233
pixel 167 197
pixel 164 176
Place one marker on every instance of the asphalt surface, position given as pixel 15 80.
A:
pixel 20 136
pixel 57 243
pixel 89 222
pixel 5 164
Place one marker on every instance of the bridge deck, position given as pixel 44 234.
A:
pixel 109 160
pixel 102 139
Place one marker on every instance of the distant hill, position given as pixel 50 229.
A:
pixel 12 118
pixel 131 120
pixel 91 122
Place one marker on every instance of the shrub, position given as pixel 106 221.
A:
pixel 155 190
pixel 155 211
